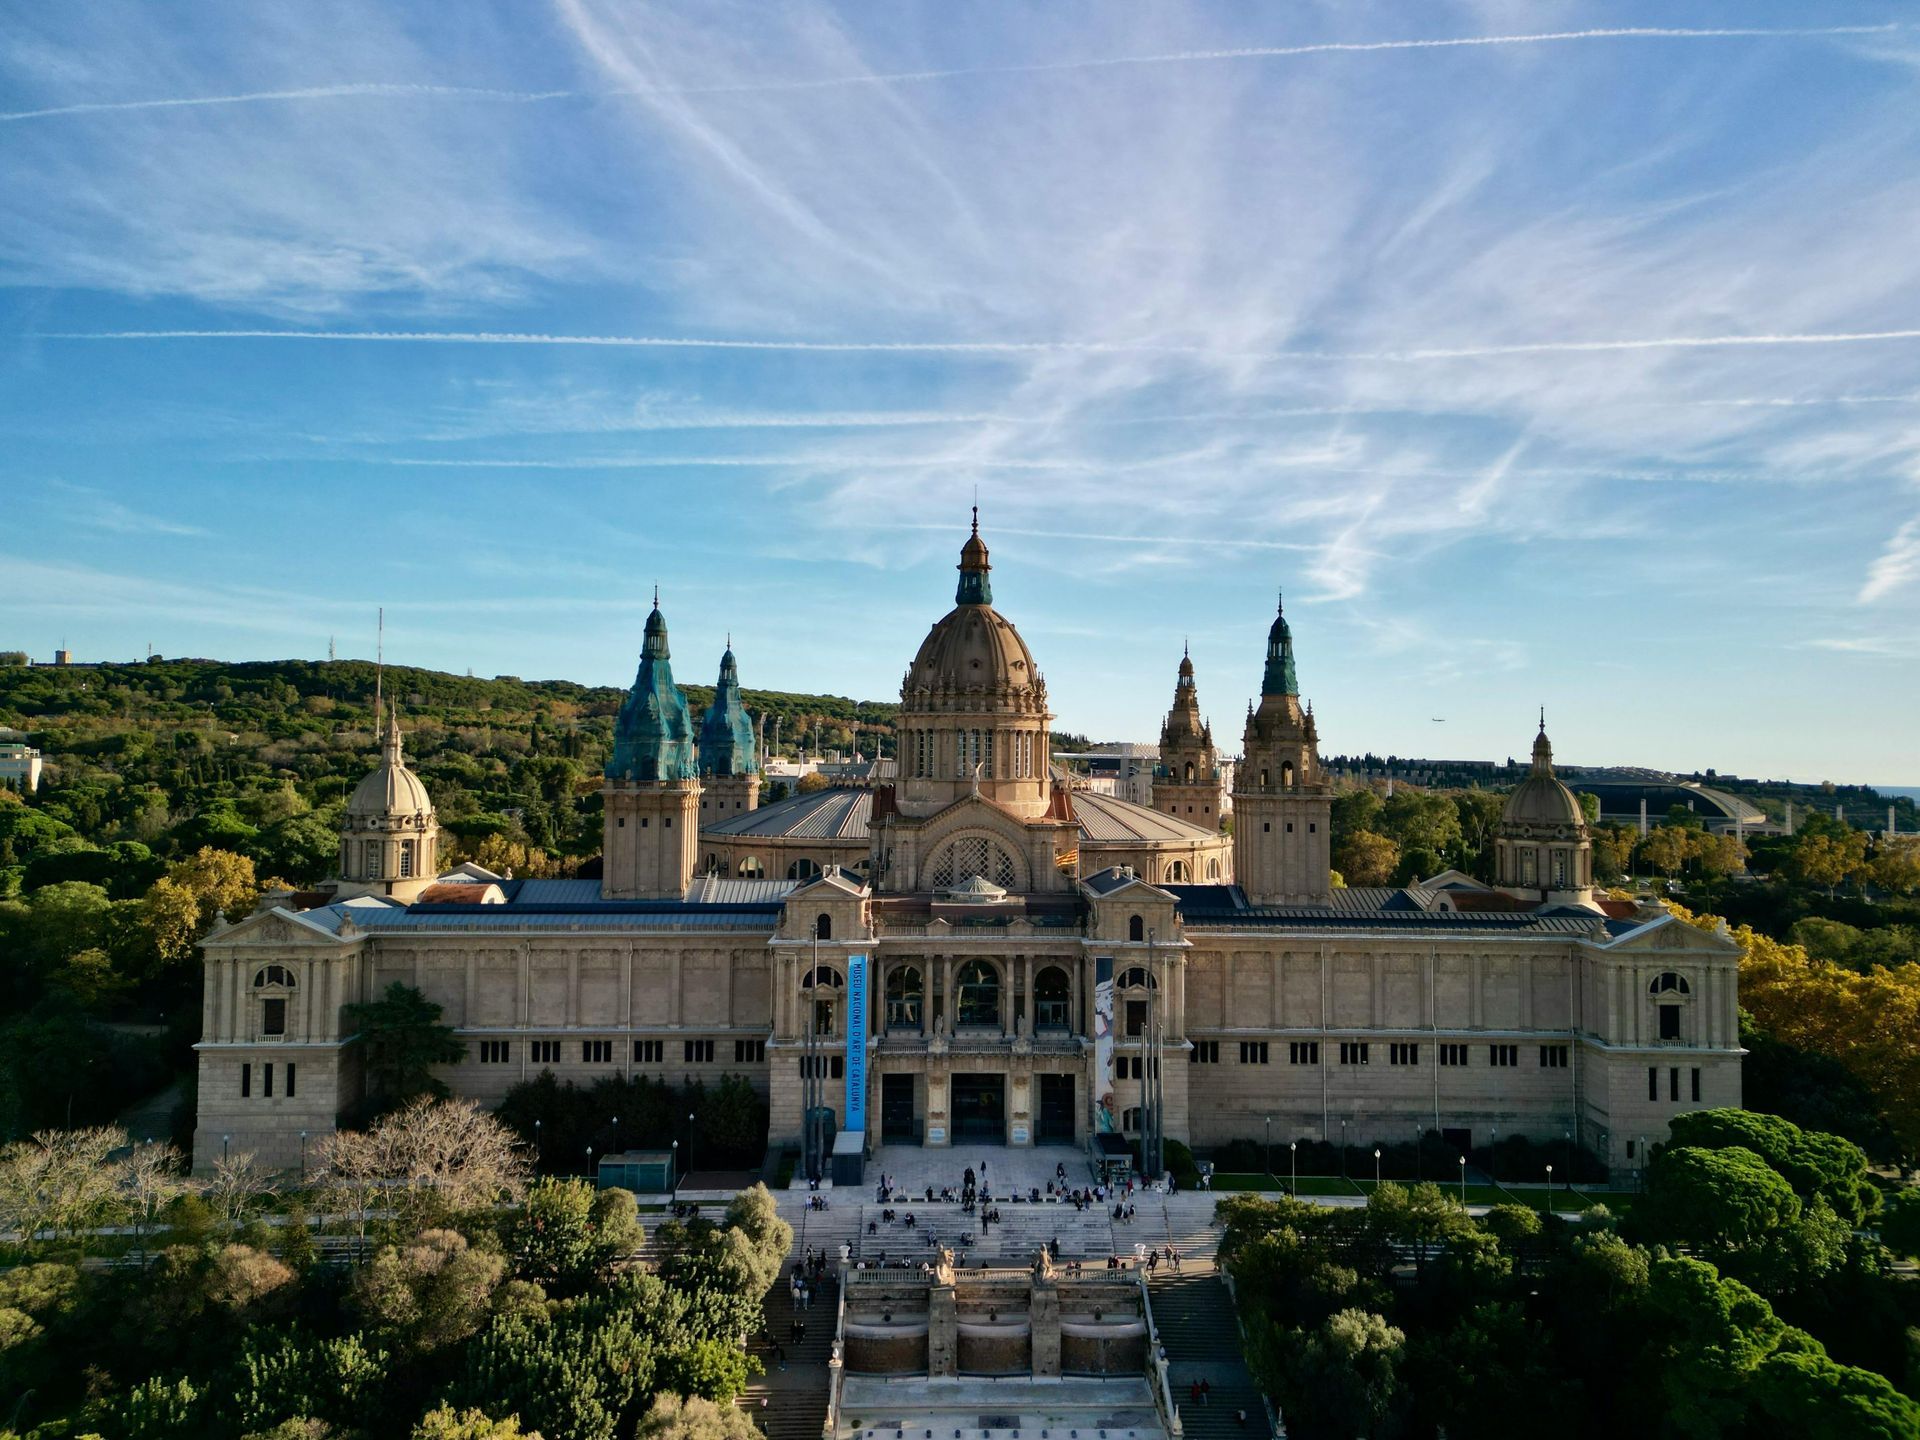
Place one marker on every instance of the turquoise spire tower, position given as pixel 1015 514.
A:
pixel 653 736
pixel 726 734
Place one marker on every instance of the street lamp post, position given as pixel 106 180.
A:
pixel 1293 1168
pixel 1418 1172
pixel 590 1164
pixel 303 1156
pixel 225 1141
pixel 1376 1167
pixel 1643 1162
pixel 1548 1199
pixel 1569 1160
pixel 616 1134
pixel 1463 1181
pixel 1343 1150
pixel 689 1142
pixel 536 1144
pixel 676 1165
pixel 1268 1151
pixel 1493 1157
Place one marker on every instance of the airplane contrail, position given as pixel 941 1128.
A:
pixel 354 90
pixel 1008 347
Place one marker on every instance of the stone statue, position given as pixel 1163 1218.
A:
pixel 939 1025
pixel 1043 1267
pixel 943 1266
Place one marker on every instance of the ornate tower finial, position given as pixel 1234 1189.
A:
pixel 656 594
pixel 974 588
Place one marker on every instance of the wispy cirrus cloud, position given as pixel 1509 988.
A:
pixel 1895 568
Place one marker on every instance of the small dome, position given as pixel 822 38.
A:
pixel 392 789
pixel 1541 799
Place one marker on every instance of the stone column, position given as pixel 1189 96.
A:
pixel 1044 1311
pixel 943 1333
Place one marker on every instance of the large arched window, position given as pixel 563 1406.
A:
pixel 1286 775
pixel 905 996
pixel 1177 873
pixel 751 868
pixel 1670 992
pixel 966 856
pixel 273 1008
pixel 823 985
pixel 273 975
pixel 977 994
pixel 803 869
pixel 823 926
pixel 1052 999
pixel 1135 977
pixel 1189 772
pixel 1213 869
pixel 1136 928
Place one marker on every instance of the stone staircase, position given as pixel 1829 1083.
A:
pixel 795 1399
pixel 1086 1235
pixel 1195 1317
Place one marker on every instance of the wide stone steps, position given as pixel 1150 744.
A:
pixel 795 1398
pixel 1015 1240
pixel 1194 1314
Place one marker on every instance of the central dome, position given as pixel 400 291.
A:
pixel 973 654
pixel 1542 800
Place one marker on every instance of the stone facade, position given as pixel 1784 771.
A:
pixel 1013 960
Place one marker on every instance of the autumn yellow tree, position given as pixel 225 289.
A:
pixel 220 881
pixel 1896 865
pixel 1829 860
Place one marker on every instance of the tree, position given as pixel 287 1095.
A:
pixel 428 1160
pixel 446 1423
pixel 1811 1162
pixel 811 783
pixel 1900 1222
pixel 1366 858
pixel 1346 1376
pixel 1613 850
pixel 221 882
pixel 242 1279
pixel 1896 865
pixel 59 1181
pixel 404 1040
pixel 1829 860
pixel 672 1417
pixel 1807 1394
pixel 1722 1201
pixel 170 923
pixel 430 1294
pixel 155 1409
pixel 552 1234
pixel 1666 848
pixel 289 1374
pixel 1710 1334
pixel 237 1187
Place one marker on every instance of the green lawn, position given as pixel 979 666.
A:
pixel 1564 1202
pixel 1309 1184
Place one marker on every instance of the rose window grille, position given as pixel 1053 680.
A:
pixel 969 856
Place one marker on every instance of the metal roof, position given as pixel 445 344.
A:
pixel 1373 907
pixel 1108 819
pixel 659 916
pixel 840 812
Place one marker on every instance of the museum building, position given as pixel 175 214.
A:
pixel 1016 959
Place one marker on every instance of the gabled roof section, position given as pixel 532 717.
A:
pixel 1670 932
pixel 1114 879
pixel 832 878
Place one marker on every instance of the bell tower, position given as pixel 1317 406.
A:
pixel 1186 781
pixel 1282 803
pixel 652 790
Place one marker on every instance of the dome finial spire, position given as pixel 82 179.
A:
pixel 974 588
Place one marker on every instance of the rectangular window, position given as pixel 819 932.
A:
pixel 1136 1017
pixel 824 1067
pixel 373 859
pixel 546 1052
pixel 290 1080
pixel 1696 1084
pixel 650 1052
pixel 1353 1052
pixel 1453 1055
pixel 596 1052
pixel 246 1081
pixel 1205 1052
pixel 1553 1057
pixel 1403 1052
pixel 699 1052
pixel 406 859
pixel 266 1081
pixel 493 1052
pixel 1669 1022
pixel 1653 1082
pixel 1303 1052
pixel 1253 1052
pixel 1503 1056
pixel 1673 1084
pixel 749 1052
pixel 273 1017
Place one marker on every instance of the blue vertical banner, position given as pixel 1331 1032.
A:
pixel 856 1107
pixel 1105 1119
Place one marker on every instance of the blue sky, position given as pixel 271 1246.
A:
pixel 1559 367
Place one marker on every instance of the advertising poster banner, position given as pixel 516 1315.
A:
pixel 1105 1119
pixel 856 1107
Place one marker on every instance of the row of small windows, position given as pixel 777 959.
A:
pixel 1673 1082
pixel 823 1067
pixel 1360 1052
pixel 600 1052
pixel 1313 827
pixel 266 1081
pixel 666 822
